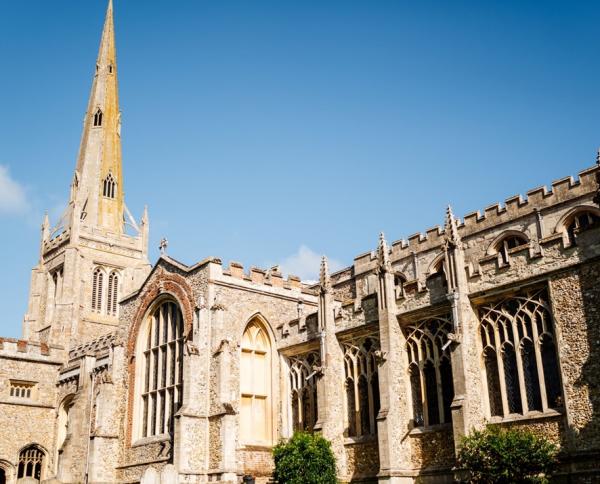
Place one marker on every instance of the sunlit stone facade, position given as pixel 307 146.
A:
pixel 174 373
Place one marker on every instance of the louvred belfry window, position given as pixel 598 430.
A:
pixel 519 355
pixel 97 290
pixel 113 293
pixel 162 360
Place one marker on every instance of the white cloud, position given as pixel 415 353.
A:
pixel 12 194
pixel 306 263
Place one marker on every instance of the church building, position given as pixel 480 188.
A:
pixel 129 372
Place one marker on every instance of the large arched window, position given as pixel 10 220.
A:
pixel 160 379
pixel 31 464
pixel 303 384
pixel 519 355
pixel 430 370
pixel 97 289
pixel 113 294
pixel 362 386
pixel 256 416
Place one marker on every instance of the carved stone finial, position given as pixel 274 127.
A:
pixel 325 279
pixel 164 243
pixel 145 215
pixel 383 253
pixel 451 229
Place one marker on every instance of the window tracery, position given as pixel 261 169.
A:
pixel 430 370
pixel 98 118
pixel 109 186
pixel 31 460
pixel 519 354
pixel 162 369
pixel 362 386
pixel 303 384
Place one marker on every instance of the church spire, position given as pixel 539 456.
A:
pixel 97 194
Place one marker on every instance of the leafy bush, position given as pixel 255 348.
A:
pixel 502 456
pixel 304 459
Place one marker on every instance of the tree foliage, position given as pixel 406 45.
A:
pixel 304 459
pixel 504 456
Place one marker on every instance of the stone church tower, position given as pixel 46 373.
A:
pixel 97 252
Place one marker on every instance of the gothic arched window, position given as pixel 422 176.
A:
pixel 256 381
pixel 97 289
pixel 579 222
pixel 31 462
pixel 519 355
pixel 507 243
pixel 303 382
pixel 160 352
pixel 362 402
pixel 98 118
pixel 109 186
pixel 113 294
pixel 430 370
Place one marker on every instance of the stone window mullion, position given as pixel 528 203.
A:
pixel 438 381
pixel 538 361
pixel 519 358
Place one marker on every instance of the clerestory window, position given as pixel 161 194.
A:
pixel 579 222
pixel 510 242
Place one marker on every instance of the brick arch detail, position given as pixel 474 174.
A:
pixel 176 287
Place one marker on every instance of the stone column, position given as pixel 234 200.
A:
pixel 393 417
pixel 464 349
pixel 330 389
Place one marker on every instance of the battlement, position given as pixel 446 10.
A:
pixel 513 208
pixel 25 349
pixel 269 277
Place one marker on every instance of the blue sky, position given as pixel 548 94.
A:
pixel 273 132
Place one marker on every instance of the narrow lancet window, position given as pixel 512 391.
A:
pixel 98 118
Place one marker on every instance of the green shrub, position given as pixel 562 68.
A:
pixel 501 456
pixel 304 459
